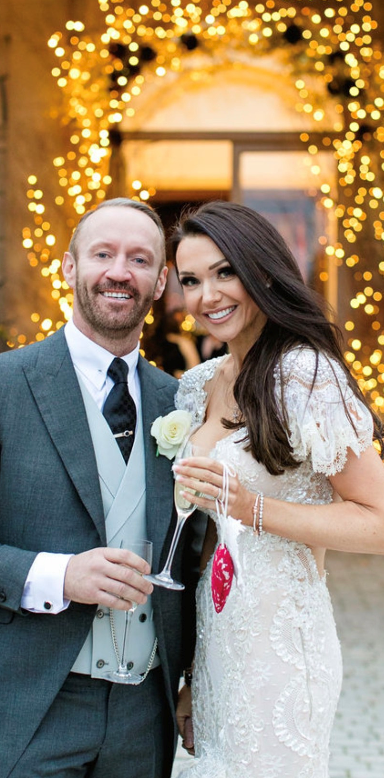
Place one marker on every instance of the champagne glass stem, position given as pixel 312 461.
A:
pixel 176 537
pixel 127 627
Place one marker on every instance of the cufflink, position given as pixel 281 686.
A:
pixel 188 675
pixel 48 605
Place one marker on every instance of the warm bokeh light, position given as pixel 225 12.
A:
pixel 101 76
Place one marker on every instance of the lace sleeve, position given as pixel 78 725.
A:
pixel 319 427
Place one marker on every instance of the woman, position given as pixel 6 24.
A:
pixel 290 442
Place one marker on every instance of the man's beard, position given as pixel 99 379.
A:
pixel 109 324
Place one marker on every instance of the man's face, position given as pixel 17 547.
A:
pixel 116 275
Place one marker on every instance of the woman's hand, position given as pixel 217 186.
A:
pixel 204 478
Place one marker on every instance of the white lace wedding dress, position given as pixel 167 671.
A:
pixel 268 669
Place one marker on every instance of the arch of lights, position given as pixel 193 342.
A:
pixel 333 45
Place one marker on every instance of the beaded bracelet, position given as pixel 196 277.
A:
pixel 257 511
pixel 261 510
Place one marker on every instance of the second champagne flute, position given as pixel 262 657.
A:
pixel 184 509
pixel 143 549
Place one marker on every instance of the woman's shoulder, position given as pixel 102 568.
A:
pixel 324 416
pixel 309 367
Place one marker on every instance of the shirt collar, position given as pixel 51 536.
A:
pixel 93 360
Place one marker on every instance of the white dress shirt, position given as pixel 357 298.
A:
pixel 44 586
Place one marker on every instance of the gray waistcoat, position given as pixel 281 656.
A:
pixel 123 494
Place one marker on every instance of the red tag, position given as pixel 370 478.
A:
pixel 222 575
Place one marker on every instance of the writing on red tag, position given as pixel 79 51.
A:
pixel 222 575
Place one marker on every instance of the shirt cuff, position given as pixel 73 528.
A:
pixel 44 587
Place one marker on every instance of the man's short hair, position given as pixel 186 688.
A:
pixel 120 202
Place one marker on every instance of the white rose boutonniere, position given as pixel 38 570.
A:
pixel 169 432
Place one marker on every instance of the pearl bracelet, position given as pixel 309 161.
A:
pixel 257 511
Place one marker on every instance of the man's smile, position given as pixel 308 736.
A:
pixel 117 295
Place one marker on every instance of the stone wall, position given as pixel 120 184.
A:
pixel 30 141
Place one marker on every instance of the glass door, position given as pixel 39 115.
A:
pixel 288 187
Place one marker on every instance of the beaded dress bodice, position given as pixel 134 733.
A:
pixel 268 667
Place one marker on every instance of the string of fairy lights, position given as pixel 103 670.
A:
pixel 334 55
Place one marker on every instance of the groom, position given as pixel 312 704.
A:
pixel 68 497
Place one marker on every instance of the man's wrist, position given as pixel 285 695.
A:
pixel 44 586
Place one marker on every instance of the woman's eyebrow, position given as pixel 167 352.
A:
pixel 216 264
pixel 211 267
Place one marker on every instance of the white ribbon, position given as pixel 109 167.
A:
pixel 228 527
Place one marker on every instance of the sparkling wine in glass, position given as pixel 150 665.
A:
pixel 143 549
pixel 184 509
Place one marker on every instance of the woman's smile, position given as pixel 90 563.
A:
pixel 221 314
pixel 214 294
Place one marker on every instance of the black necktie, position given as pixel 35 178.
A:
pixel 119 408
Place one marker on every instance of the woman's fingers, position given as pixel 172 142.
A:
pixel 200 470
pixel 203 481
pixel 201 486
pixel 202 463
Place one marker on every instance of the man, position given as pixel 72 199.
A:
pixel 66 491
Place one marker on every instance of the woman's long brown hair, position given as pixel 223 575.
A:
pixel 295 317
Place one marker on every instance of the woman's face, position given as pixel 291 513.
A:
pixel 214 295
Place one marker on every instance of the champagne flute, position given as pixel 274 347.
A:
pixel 184 509
pixel 123 674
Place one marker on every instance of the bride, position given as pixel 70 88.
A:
pixel 291 471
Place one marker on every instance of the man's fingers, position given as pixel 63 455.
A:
pixel 117 603
pixel 188 739
pixel 122 556
pixel 101 573
pixel 123 577
pixel 136 589
pixel 188 733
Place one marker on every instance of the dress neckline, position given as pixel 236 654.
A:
pixel 211 369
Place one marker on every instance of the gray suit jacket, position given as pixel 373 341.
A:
pixel 50 501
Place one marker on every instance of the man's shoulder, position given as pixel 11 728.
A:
pixel 28 355
pixel 157 377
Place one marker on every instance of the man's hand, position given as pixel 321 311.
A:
pixel 107 576
pixel 184 719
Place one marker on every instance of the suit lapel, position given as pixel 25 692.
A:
pixel 157 400
pixel 54 385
